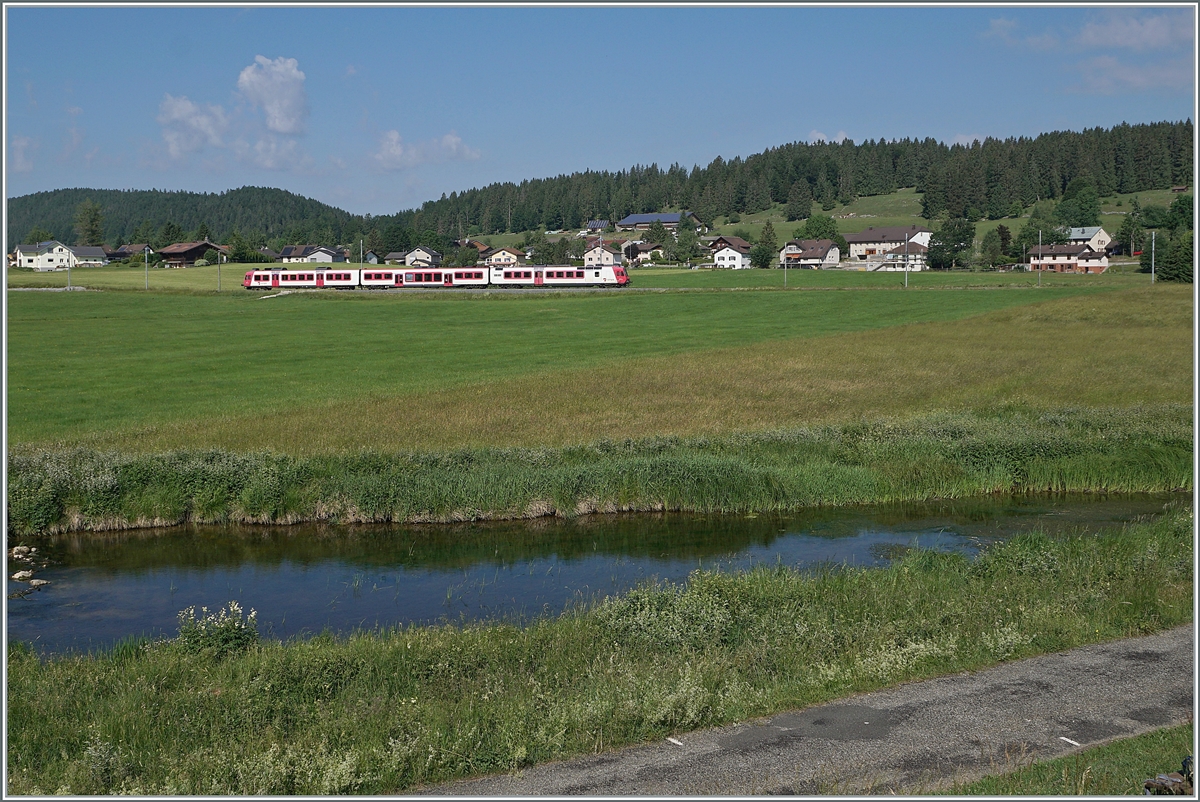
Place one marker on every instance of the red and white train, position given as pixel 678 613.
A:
pixel 394 276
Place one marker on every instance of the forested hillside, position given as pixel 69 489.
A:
pixel 984 179
pixel 271 212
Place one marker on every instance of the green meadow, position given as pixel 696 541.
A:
pixel 91 364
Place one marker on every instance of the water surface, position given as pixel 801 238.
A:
pixel 309 578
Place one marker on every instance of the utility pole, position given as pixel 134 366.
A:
pixel 1040 255
pixel 146 252
pixel 218 271
pixel 1152 237
pixel 906 261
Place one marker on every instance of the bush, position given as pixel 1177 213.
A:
pixel 219 634
pixel 201 263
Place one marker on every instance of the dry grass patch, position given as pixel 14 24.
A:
pixel 1121 348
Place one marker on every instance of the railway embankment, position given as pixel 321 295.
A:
pixel 943 455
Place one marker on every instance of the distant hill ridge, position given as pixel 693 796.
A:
pixel 985 178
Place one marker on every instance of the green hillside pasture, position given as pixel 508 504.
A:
pixel 1036 356
pixel 87 363
pixel 392 710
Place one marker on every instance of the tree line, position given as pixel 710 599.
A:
pixel 989 179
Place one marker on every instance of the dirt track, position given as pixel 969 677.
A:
pixel 910 739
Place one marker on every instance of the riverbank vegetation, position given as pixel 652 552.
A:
pixel 216 712
pixel 944 455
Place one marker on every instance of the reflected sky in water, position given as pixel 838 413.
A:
pixel 305 579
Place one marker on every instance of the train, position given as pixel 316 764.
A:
pixel 400 276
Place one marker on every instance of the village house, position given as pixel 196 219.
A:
pixel 1067 259
pixel 670 220
pixel 715 244
pixel 1094 237
pixel 88 256
pixel 596 225
pixel 640 252
pixel 185 254
pixel 49 255
pixel 599 255
pixel 913 254
pixel 422 256
pixel 311 253
pixel 395 257
pixel 736 257
pixel 371 258
pixel 503 257
pixel 269 254
pixel 135 248
pixel 810 253
pixel 876 241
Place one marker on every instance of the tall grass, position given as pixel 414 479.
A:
pixel 389 710
pixel 944 455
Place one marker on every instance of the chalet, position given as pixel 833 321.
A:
pixel 395 257
pixel 642 251
pixel 1094 237
pixel 1067 259
pixel 602 255
pixel 311 253
pixel 136 248
pixel 503 257
pixel 912 256
pixel 732 256
pixel 724 241
pixel 876 241
pixel 422 256
pixel 49 255
pixel 810 253
pixel 89 256
pixel 185 254
pixel 670 220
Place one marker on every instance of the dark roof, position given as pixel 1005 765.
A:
pixel 427 250
pixel 811 248
pixel 662 217
pixel 396 255
pixel 913 248
pixel 886 234
pixel 597 224
pixel 737 242
pixel 88 251
pixel 134 247
pixel 745 248
pixel 1060 250
pixel 185 247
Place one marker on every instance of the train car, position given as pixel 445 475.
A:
pixel 443 277
pixel 283 278
pixel 514 276
pixel 559 276
pixel 381 276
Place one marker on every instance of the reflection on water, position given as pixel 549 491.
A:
pixel 304 579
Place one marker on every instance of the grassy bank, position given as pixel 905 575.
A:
pixel 214 712
pixel 946 455
pixel 1117 768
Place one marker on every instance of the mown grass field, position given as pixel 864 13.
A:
pixel 310 373
pixel 214 712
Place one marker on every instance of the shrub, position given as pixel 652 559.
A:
pixel 219 634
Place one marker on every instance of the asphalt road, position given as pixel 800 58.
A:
pixel 914 738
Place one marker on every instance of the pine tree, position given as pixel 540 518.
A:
pixel 799 202
pixel 1177 266
pixel 169 234
pixel 89 224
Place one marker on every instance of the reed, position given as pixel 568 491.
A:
pixel 391 710
pixel 941 455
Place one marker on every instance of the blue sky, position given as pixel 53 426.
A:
pixel 377 109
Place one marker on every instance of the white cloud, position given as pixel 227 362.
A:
pixel 393 154
pixel 1005 31
pixel 350 70
pixel 278 87
pixel 19 160
pixel 73 140
pixel 1107 75
pixel 271 153
pixel 187 127
pixel 819 136
pixel 1162 32
pixel 1001 29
